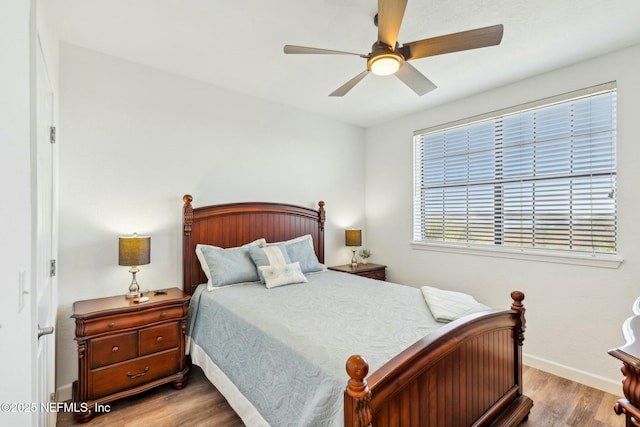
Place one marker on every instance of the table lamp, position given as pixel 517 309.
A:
pixel 353 238
pixel 134 251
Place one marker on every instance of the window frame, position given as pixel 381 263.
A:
pixel 498 249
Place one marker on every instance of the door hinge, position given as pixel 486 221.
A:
pixel 52 270
pixel 52 134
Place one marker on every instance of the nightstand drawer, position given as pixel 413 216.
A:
pixel 158 338
pixel 131 320
pixel 378 275
pixel 112 349
pixel 125 375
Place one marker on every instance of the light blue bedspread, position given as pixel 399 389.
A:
pixel 285 348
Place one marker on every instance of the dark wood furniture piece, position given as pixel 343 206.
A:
pixel 467 373
pixel 629 355
pixel 372 271
pixel 126 347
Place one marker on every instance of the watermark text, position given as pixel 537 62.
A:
pixel 54 407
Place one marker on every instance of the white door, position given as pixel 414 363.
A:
pixel 45 244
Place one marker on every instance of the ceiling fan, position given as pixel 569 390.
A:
pixel 388 57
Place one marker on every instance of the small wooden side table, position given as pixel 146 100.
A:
pixel 125 347
pixel 372 271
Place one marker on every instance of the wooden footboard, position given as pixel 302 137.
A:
pixel 468 373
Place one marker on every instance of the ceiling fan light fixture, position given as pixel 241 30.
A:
pixel 385 64
pixel 388 57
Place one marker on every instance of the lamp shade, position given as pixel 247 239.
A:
pixel 352 237
pixel 134 250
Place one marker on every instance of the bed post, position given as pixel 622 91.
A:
pixel 517 305
pixel 321 215
pixel 357 394
pixel 187 221
pixel 321 219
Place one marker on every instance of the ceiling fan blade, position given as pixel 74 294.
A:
pixel 413 78
pixel 314 50
pixel 342 90
pixel 465 40
pixel 390 14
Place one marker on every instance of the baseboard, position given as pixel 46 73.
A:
pixel 582 377
pixel 64 393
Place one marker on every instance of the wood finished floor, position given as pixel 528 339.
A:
pixel 557 402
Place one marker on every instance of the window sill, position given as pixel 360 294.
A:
pixel 586 259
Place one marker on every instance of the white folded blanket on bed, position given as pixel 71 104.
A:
pixel 449 305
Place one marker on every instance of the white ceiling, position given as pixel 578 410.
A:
pixel 237 44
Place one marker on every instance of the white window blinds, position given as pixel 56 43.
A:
pixel 539 176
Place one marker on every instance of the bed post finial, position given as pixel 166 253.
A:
pixel 517 297
pixel 358 390
pixel 187 213
pixel 321 214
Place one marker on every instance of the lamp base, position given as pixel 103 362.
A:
pixel 134 289
pixel 354 260
pixel 131 295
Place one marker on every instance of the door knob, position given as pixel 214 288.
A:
pixel 44 331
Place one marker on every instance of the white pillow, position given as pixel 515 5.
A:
pixel 279 275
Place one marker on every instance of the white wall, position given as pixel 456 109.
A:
pixel 574 313
pixel 136 139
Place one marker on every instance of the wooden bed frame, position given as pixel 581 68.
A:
pixel 467 373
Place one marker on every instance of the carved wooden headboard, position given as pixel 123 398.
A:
pixel 235 224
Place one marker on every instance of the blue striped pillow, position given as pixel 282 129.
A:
pixel 268 256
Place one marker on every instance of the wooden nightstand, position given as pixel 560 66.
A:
pixel 125 347
pixel 372 271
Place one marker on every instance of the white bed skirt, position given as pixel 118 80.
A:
pixel 245 410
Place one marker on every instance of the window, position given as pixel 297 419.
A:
pixel 538 176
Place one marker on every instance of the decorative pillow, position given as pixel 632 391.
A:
pixel 228 266
pixel 447 306
pixel 270 255
pixel 301 250
pixel 279 275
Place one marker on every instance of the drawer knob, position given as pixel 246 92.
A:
pixel 163 314
pixel 110 324
pixel 115 349
pixel 133 376
pixel 160 340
